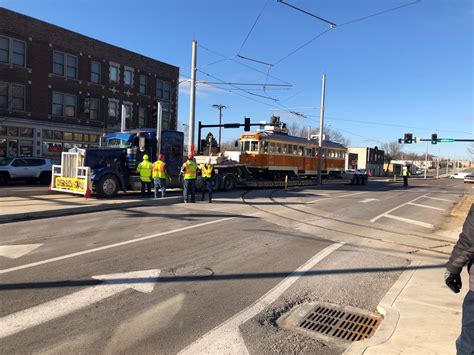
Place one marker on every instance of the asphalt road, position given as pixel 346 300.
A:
pixel 213 277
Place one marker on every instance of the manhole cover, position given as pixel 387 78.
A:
pixel 340 323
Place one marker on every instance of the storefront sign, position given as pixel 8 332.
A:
pixel 78 185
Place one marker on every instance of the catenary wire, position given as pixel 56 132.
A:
pixel 253 26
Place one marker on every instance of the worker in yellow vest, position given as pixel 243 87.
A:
pixel 207 173
pixel 188 171
pixel 406 174
pixel 144 169
pixel 160 175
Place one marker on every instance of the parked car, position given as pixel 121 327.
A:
pixel 458 175
pixel 469 178
pixel 30 170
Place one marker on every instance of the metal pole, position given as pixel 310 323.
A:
pixel 199 148
pixel 123 123
pixel 159 113
pixel 192 97
pixel 426 159
pixel 220 122
pixel 447 166
pixel 321 127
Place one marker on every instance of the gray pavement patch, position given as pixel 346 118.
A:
pixel 262 334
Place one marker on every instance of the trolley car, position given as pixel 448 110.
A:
pixel 272 155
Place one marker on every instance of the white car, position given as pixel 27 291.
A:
pixel 28 169
pixel 458 175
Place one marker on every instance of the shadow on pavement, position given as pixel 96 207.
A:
pixel 222 277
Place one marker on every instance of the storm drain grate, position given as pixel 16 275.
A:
pixel 340 324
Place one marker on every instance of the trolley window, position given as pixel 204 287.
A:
pixel 284 148
pixel 301 151
pixel 254 146
pixel 272 147
pixel 265 147
pixel 246 146
pixel 278 148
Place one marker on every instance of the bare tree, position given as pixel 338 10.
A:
pixel 230 146
pixel 331 134
pixel 470 149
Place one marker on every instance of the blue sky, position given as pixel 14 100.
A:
pixel 412 67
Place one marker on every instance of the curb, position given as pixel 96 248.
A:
pixel 85 209
pixel 390 314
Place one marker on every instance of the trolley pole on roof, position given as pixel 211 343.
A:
pixel 192 98
pixel 321 128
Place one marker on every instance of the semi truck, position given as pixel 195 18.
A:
pixel 111 168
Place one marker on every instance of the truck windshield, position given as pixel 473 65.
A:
pixel 118 143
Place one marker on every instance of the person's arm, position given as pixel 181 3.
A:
pixel 463 253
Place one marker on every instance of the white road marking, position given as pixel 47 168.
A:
pixel 16 251
pixel 334 197
pixel 31 317
pixel 369 200
pixel 439 199
pixel 407 220
pixel 425 206
pixel 393 209
pixel 110 246
pixel 226 338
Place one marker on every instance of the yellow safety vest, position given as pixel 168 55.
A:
pixel 206 172
pixel 144 169
pixel 189 170
pixel 159 170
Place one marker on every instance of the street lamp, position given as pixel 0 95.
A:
pixel 220 107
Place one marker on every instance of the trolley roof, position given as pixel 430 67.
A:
pixel 291 139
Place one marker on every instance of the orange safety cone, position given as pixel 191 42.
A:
pixel 87 194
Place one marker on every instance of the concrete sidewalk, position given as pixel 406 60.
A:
pixel 421 314
pixel 15 208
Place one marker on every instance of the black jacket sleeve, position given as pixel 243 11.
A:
pixel 463 252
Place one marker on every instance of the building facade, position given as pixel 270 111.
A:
pixel 60 89
pixel 370 159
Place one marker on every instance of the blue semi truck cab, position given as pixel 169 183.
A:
pixel 113 167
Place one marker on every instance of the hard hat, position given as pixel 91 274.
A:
pixel 190 155
pixel 208 160
pixel 161 156
pixel 145 157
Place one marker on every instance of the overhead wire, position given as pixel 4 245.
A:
pixel 253 26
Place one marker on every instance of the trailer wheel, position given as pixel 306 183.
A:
pixel 45 178
pixel 229 182
pixel 107 186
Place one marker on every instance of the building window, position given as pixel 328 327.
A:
pixel 94 109
pixel 95 72
pixel 128 76
pixel 18 97
pixel 141 117
pixel 163 90
pixel 114 72
pixel 12 96
pixel 143 84
pixel 64 105
pixel 12 51
pixel 165 116
pixel 128 111
pixel 18 54
pixel 113 109
pixel 4 49
pixel 65 65
pixel 4 88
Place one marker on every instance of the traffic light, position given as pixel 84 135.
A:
pixel 408 138
pixel 434 138
pixel 400 140
pixel 247 124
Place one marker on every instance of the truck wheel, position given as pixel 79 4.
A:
pixel 229 183
pixel 45 178
pixel 107 186
pixel 4 178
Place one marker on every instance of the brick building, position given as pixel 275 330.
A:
pixel 370 159
pixel 59 88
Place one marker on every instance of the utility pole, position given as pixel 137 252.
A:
pixel 192 97
pixel 159 114
pixel 321 127
pixel 220 107
pixel 426 159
